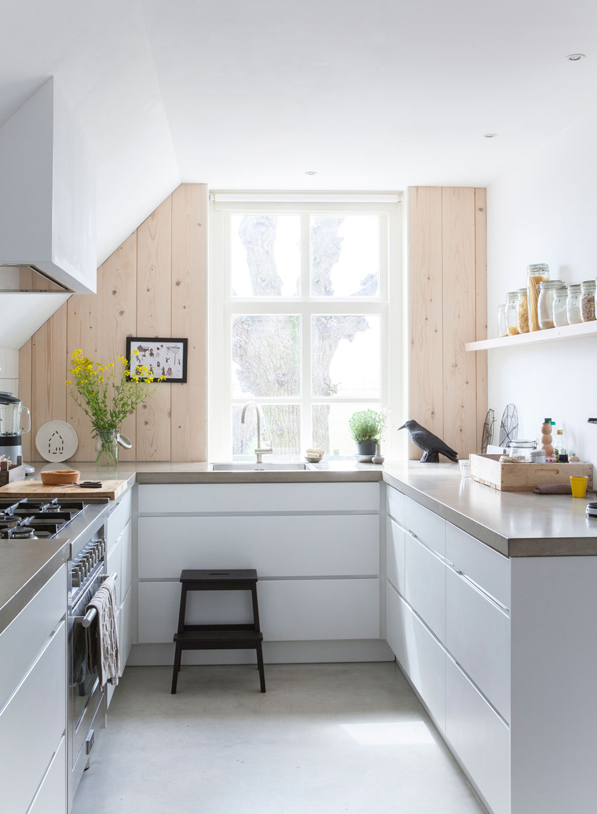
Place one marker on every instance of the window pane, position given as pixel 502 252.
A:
pixel 280 428
pixel 346 355
pixel 266 355
pixel 265 255
pixel 330 427
pixel 345 255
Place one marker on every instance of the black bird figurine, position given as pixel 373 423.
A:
pixel 431 445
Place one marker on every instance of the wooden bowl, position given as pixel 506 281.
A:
pixel 55 477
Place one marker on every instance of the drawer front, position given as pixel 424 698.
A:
pixel 427 526
pixel 480 739
pixel 245 498
pixel 32 725
pixel 426 586
pixel 120 516
pixel 276 546
pixel 126 553
pixel 396 504
pixel 289 610
pixel 484 566
pixel 22 640
pixel 395 562
pixel 478 636
pixel 51 797
pixel 420 655
pixel 114 566
pixel 126 629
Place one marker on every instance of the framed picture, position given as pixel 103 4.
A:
pixel 163 357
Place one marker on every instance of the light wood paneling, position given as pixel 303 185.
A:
pixel 425 309
pixel 189 255
pixel 137 296
pixel 448 292
pixel 154 318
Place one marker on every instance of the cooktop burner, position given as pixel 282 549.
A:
pixel 36 519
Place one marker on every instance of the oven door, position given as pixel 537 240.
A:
pixel 84 693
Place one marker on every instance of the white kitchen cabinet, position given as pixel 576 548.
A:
pixel 488 569
pixel 396 505
pixel 248 498
pixel 290 610
pixel 51 795
pixel 126 628
pixel 426 585
pixel 114 566
pixel 298 546
pixel 425 525
pixel 119 517
pixel 395 561
pixel 32 725
pixel 480 739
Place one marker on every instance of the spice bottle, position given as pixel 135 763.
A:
pixel 560 446
pixel 546 437
pixel 573 304
pixel 501 321
pixel 560 303
pixel 587 303
pixel 512 312
pixel 547 292
pixel 536 274
pixel 523 311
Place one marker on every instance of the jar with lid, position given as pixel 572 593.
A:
pixel 587 301
pixel 573 305
pixel 523 311
pixel 536 274
pixel 512 312
pixel 560 302
pixel 547 291
pixel 502 325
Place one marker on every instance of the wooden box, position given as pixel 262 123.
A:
pixel 523 477
pixel 10 472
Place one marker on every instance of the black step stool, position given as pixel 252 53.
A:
pixel 218 637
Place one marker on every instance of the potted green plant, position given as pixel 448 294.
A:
pixel 366 428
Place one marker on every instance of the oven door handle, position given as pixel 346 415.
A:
pixel 92 612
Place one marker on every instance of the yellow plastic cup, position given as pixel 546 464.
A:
pixel 579 486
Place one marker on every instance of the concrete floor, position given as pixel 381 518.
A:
pixel 324 739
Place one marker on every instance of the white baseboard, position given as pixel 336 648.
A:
pixel 145 655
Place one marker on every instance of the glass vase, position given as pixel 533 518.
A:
pixel 106 447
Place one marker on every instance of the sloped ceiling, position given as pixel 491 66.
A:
pixel 371 94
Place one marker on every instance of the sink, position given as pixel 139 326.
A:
pixel 254 467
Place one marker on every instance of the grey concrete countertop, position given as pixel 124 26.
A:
pixel 517 524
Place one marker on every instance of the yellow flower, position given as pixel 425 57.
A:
pixel 101 378
pixel 162 379
pixel 135 379
pixel 135 352
pixel 149 379
pixel 67 381
pixel 110 364
pixel 77 353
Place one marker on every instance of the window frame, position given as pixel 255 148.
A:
pixel 388 304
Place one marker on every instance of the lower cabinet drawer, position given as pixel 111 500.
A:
pixel 478 636
pixel 426 586
pixel 51 797
pixel 395 555
pixel 32 725
pixel 419 653
pixel 396 504
pixel 426 525
pixel 126 629
pixel 479 737
pixel 289 610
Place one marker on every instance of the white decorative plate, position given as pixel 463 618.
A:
pixel 56 441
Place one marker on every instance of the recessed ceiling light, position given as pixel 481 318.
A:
pixel 490 135
pixel 575 57
pixel 311 172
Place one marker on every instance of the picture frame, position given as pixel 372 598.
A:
pixel 164 357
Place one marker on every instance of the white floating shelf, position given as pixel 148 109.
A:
pixel 580 331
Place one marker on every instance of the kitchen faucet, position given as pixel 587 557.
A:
pixel 259 451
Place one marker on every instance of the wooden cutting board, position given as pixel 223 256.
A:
pixel 35 488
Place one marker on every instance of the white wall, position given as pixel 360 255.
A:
pixel 545 211
pixel 9 370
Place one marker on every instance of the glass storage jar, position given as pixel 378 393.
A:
pixel 587 301
pixel 536 274
pixel 547 292
pixel 560 300
pixel 512 312
pixel 523 311
pixel 573 304
pixel 501 321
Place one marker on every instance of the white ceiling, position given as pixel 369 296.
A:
pixel 372 94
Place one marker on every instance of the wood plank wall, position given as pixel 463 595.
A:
pixel 447 259
pixel 154 284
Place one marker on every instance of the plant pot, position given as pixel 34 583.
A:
pixel 366 447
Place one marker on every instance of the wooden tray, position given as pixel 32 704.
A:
pixel 523 477
pixel 32 488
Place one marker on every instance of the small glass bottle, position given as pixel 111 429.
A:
pixel 512 312
pixel 523 311
pixel 536 274
pixel 560 301
pixel 501 321
pixel 560 446
pixel 547 290
pixel 587 301
pixel 573 304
